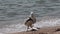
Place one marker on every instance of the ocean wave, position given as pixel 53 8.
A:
pixel 45 22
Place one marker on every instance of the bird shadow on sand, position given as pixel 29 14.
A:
pixel 33 30
pixel 57 29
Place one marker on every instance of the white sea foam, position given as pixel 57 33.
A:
pixel 21 27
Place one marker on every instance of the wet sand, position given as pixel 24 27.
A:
pixel 44 30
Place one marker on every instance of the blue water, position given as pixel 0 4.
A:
pixel 16 11
pixel 20 9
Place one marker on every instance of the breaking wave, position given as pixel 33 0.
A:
pixel 44 22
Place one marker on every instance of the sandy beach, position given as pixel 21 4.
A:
pixel 45 30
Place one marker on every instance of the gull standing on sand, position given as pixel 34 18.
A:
pixel 30 21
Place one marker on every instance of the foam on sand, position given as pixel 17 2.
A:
pixel 21 27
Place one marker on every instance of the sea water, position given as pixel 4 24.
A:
pixel 13 14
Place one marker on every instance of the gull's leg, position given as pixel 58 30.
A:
pixel 31 26
pixel 27 28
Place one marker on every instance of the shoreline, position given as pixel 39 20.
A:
pixel 44 30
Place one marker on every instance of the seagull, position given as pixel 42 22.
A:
pixel 30 21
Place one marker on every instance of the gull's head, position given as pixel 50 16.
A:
pixel 31 13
